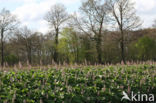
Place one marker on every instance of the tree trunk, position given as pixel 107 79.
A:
pixel 56 48
pixel 122 48
pixel 77 55
pixel 122 36
pixel 2 47
pixel 98 44
pixel 29 55
pixel 98 48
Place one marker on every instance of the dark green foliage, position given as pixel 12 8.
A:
pixel 79 85
pixel 11 59
pixel 146 47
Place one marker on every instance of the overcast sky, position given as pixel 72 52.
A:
pixel 31 12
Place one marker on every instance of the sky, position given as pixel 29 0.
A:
pixel 31 12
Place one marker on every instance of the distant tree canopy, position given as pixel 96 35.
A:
pixel 146 47
pixel 76 47
pixel 105 32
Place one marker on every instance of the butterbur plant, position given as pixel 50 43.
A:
pixel 76 85
pixel 14 97
pixel 129 89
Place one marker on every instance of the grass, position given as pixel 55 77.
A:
pixel 75 84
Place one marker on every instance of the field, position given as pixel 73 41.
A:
pixel 83 84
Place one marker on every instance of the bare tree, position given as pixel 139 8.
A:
pixel 8 22
pixel 92 21
pixel 28 42
pixel 124 15
pixel 56 18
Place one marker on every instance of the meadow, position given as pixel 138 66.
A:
pixel 76 84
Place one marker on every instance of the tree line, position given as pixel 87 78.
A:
pixel 103 31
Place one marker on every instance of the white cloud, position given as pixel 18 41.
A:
pixel 17 1
pixel 146 11
pixel 145 5
pixel 32 12
pixel 43 26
